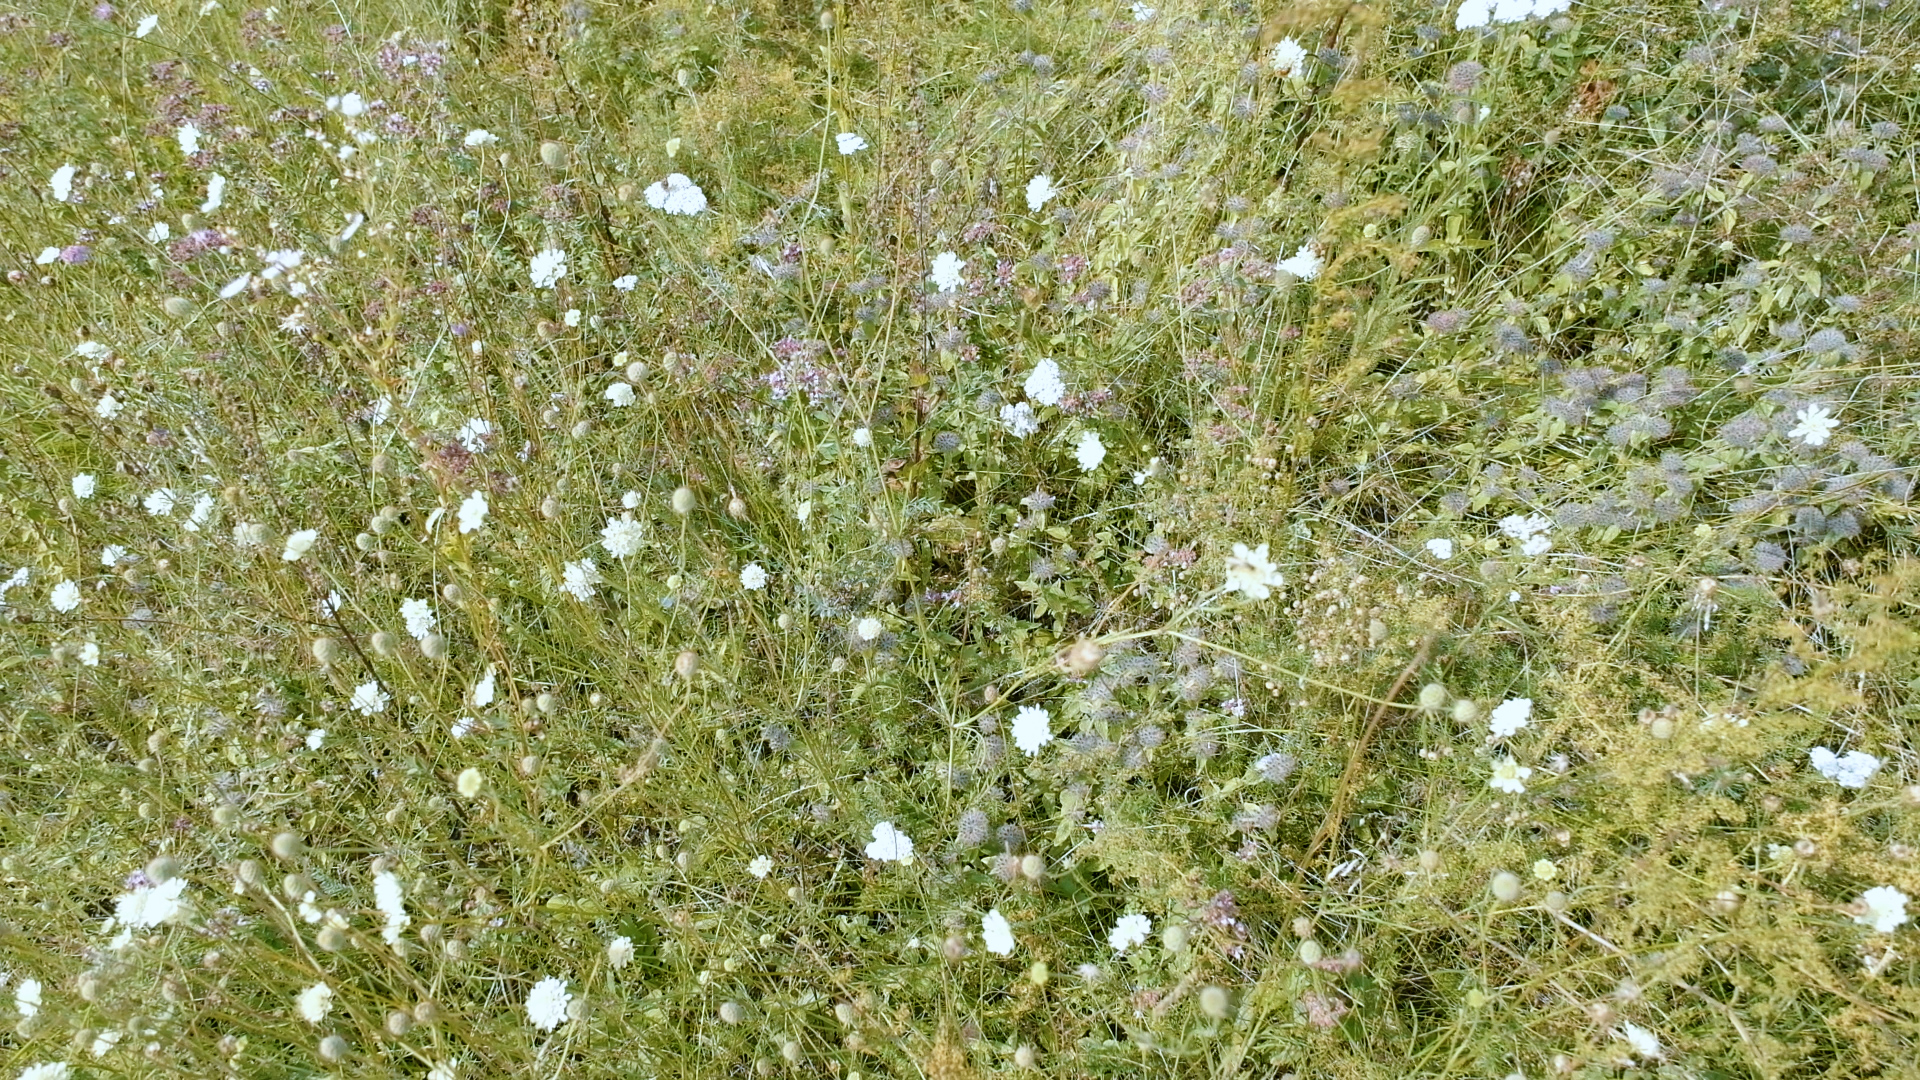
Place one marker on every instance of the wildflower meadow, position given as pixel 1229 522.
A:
pixel 959 538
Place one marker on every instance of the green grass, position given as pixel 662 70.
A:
pixel 1608 268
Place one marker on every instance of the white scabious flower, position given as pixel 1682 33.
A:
pixel 761 866
pixel 368 699
pixel 48 1070
pixel 547 1003
pixel 1044 385
pixel 1645 1044
pixel 1090 451
pixel 1252 573
pixel 160 502
pixel 1440 548
pixel 1816 425
pixel 1530 531
pixel 577 579
pixel 677 194
pixel 626 282
pixel 62 183
pixel 997 933
pixel 547 267
pixel 314 1003
pixel 201 513
pixel 84 485
pixel 150 905
pixel 146 26
pixel 1032 729
pixel 849 142
pixel 890 844
pixel 1040 191
pixel 868 628
pixel 1304 263
pixel 388 899
pixel 482 693
pixel 26 998
pixel 189 136
pixel 298 544
pixel 622 536
pixel 1850 770
pixel 946 271
pixel 1886 909
pixel 107 407
pixel 1288 57
pixel 216 193
pixel 481 137
pixel 473 435
pixel 1510 716
pixel 619 952
pixel 419 617
pixel 1509 776
pixel 1019 420
pixel 1131 930
pixel 473 511
pixel 619 395
pixel 1473 14
pixel 65 597
pixel 753 576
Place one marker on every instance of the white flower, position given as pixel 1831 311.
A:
pixel 299 543
pixel 753 576
pixel 620 952
pixel 150 905
pixel 108 407
pixel 482 695
pixel 1510 716
pixel 1473 14
pixel 997 933
pixel 547 267
pixel 761 866
pixel 1850 770
pixel 146 26
pixel 1019 420
pixel 216 191
pixel 1304 264
pixel 626 282
pixel 1643 1042
pixel 159 232
pixel 1507 11
pixel 868 628
pixel 1131 930
pixel 49 1070
pixel 349 105
pixel 803 510
pixel 160 502
pixel 1815 426
pixel 677 195
pixel 90 655
pixel 316 738
pixel 473 511
pixel 890 844
pixel 850 143
pixel 189 136
pixel 622 536
pixel 632 500
pixel 1508 776
pixel 1040 191
pixel 577 579
pixel 315 1002
pixel 1141 12
pixel 863 437
pixel 946 271
pixel 1886 908
pixel 201 513
pixel 62 182
pixel 368 698
pixel 1530 531
pixel 111 555
pixel 387 898
pixel 1252 572
pixel 1288 57
pixel 66 597
pixel 1044 384
pixel 469 782
pixel 473 435
pixel 1090 451
pixel 1440 548
pixel 1032 729
pixel 419 617
pixel 547 1003
pixel 620 395
pixel 26 998
pixel 106 1041
pixel 445 1070
pixel 237 286
pixel 481 137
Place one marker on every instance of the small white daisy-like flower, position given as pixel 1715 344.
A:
pixel 473 435
pixel 1252 573
pixel 316 738
pixel 26 998
pixel 622 536
pixel 626 282
pixel 863 437
pixel 107 407
pixel 1440 548
pixel 890 844
pixel 473 511
pixel 997 933
pixel 84 485
pixel 677 194
pixel 161 502
pixel 849 142
pixel 1303 264
pixel 547 267
pixel 150 905
pixel 1089 451
pixel 868 628
pixel 445 1070
pixel 482 693
pixel 315 1002
pixel 577 579
pixel 1131 930
pixel 619 395
pixel 389 900
pixel 1288 57
pixel 419 617
pixel 1044 385
pixel 1644 1043
pixel 761 866
pixel 90 655
pixel 1850 770
pixel 1886 909
pixel 65 597
pixel 1510 716
pixel 1509 776
pixel 298 544
pixel 1019 420
pixel 753 576
pixel 572 317
pixel 62 182
pixel 547 1003
pixel 946 271
pixel 1032 729
pixel 1040 191
pixel 368 698
pixel 1816 425
pixel 111 555
pixel 216 193
pixel 188 135
pixel 481 137
pixel 106 1041
pixel 619 952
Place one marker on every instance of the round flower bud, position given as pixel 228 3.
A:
pixel 399 1023
pixel 295 886
pixel 1026 1057
pixel 163 868
pixel 737 508
pixel 553 155
pixel 469 782
pixel 1215 1003
pixel 333 1049
pixel 178 307
pixel 1465 711
pixel 326 650
pixel 1311 952
pixel 426 1012
pixel 683 501
pixel 1039 973
pixel 287 845
pixel 731 1012
pixel 226 815
pixel 1429 860
pixel 434 646
pixel 1433 697
pixel 331 938
pixel 843 1012
pixel 1557 901
pixel 1506 887
pixel 385 644
pixel 1174 937
pixel 1033 867
pixel 686 664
